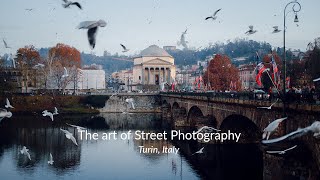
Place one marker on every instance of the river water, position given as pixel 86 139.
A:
pixel 121 159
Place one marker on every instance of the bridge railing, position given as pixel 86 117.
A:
pixel 308 98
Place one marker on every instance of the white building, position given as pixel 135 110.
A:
pixel 91 79
pixel 153 66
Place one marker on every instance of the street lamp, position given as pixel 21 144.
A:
pixel 295 10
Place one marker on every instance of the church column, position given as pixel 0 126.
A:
pixel 169 75
pixel 142 75
pixel 149 75
pixel 164 74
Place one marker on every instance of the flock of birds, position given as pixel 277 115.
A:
pixel 4 113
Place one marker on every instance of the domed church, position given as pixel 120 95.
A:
pixel 153 66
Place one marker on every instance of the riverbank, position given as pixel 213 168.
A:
pixel 65 104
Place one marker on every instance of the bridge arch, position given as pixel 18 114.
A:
pixel 236 123
pixel 175 105
pixel 197 119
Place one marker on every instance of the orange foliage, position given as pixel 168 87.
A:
pixel 221 72
pixel 66 55
pixel 28 55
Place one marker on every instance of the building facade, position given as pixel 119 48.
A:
pixel 153 66
pixel 247 76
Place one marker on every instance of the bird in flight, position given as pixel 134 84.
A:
pixel 69 136
pixel 50 160
pixel 183 41
pixel 207 129
pixel 8 105
pixel 4 113
pixel 65 73
pixel 29 9
pixel 275 29
pixel 214 16
pixel 272 127
pixel 5 44
pixel 47 113
pixel 269 107
pixel 199 152
pixel 313 128
pixel 78 127
pixel 283 151
pixel 251 31
pixel 130 101
pixel 124 48
pixel 68 3
pixel 316 80
pixel 55 111
pixel 92 27
pixel 24 151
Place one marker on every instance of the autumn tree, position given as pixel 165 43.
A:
pixel 63 56
pixel 313 59
pixel 221 72
pixel 27 58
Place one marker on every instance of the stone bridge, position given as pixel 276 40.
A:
pixel 239 114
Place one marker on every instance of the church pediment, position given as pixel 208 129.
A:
pixel 157 61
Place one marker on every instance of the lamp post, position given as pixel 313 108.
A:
pixel 295 10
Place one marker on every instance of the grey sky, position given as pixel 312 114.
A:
pixel 128 23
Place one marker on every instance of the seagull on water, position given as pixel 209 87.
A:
pixel 8 105
pixel 50 160
pixel 199 152
pixel 65 73
pixel 47 113
pixel 275 29
pixel 313 128
pixel 131 102
pixel 78 127
pixel 124 48
pixel 207 129
pixel 55 112
pixel 214 16
pixel 5 44
pixel 269 107
pixel 251 31
pixel 69 136
pixel 4 114
pixel 24 151
pixel 68 3
pixel 281 152
pixel 272 127
pixel 92 27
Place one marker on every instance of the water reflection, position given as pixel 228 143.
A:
pixel 119 159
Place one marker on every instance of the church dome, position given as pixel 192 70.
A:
pixel 155 51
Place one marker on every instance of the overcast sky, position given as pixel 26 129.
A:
pixel 128 23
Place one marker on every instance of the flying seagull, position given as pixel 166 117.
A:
pixel 269 107
pixel 69 136
pixel 47 113
pixel 78 127
pixel 39 65
pixel 65 73
pixel 8 105
pixel 55 111
pixel 92 27
pixel 68 3
pixel 316 80
pixel 281 152
pixel 183 41
pixel 24 151
pixel 4 114
pixel 5 44
pixel 124 48
pixel 131 102
pixel 313 128
pixel 29 9
pixel 162 86
pixel 272 127
pixel 275 29
pixel 207 129
pixel 198 152
pixel 50 160
pixel 251 31
pixel 214 16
